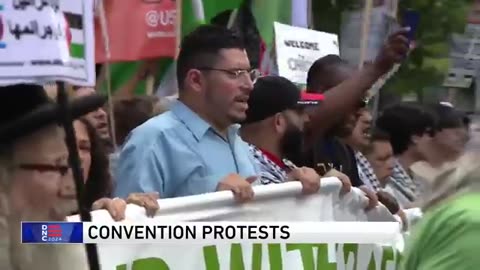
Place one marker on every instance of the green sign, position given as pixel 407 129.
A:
pixel 313 257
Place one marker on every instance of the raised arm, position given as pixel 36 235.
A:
pixel 344 97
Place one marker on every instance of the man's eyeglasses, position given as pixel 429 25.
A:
pixel 253 74
pixel 63 170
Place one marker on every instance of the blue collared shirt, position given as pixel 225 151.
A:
pixel 178 154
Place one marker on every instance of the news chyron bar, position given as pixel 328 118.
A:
pixel 209 232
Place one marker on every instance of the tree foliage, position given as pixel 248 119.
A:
pixel 428 63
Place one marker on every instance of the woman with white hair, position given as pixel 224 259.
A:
pixel 35 178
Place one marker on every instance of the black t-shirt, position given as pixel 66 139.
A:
pixel 331 153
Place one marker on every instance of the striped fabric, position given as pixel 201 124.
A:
pixel 403 183
pixel 366 173
pixel 270 172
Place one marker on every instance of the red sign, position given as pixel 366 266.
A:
pixel 137 29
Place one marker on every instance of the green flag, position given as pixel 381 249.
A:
pixel 265 13
pixel 123 72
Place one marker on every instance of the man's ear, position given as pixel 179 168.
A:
pixel 194 79
pixel 279 123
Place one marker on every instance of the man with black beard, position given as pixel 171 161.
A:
pixel 274 130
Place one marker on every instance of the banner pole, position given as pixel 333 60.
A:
pixel 379 84
pixel 310 14
pixel 179 26
pixel 74 161
pixel 108 75
pixel 367 11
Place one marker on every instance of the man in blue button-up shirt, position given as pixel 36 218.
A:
pixel 195 147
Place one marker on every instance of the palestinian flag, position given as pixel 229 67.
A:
pixel 73 13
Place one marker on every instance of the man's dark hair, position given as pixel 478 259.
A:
pixel 246 27
pixel 404 120
pixel 321 70
pixel 377 135
pixel 200 48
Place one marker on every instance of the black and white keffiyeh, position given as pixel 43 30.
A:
pixel 365 172
pixel 403 183
pixel 270 172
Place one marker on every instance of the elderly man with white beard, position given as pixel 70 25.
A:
pixel 35 179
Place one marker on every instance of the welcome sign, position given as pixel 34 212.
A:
pixel 297 48
pixel 273 203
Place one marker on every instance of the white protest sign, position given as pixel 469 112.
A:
pixel 297 48
pixel 273 203
pixel 47 40
pixel 351 34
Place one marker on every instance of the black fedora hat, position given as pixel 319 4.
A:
pixel 25 108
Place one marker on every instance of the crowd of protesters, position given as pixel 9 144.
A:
pixel 229 129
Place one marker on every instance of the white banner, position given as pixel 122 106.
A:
pixel 297 48
pixel 273 203
pixel 46 41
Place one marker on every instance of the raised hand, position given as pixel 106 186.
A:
pixel 393 51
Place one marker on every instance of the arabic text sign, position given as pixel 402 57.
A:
pixel 297 48
pixel 39 41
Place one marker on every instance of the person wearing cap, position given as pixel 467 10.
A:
pixel 344 91
pixel 194 148
pixel 35 178
pixel 330 150
pixel 345 88
pixel 274 129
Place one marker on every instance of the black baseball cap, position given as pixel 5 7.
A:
pixel 274 94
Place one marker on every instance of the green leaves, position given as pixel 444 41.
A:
pixel 426 66
pixel 439 19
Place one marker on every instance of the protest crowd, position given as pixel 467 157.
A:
pixel 230 128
